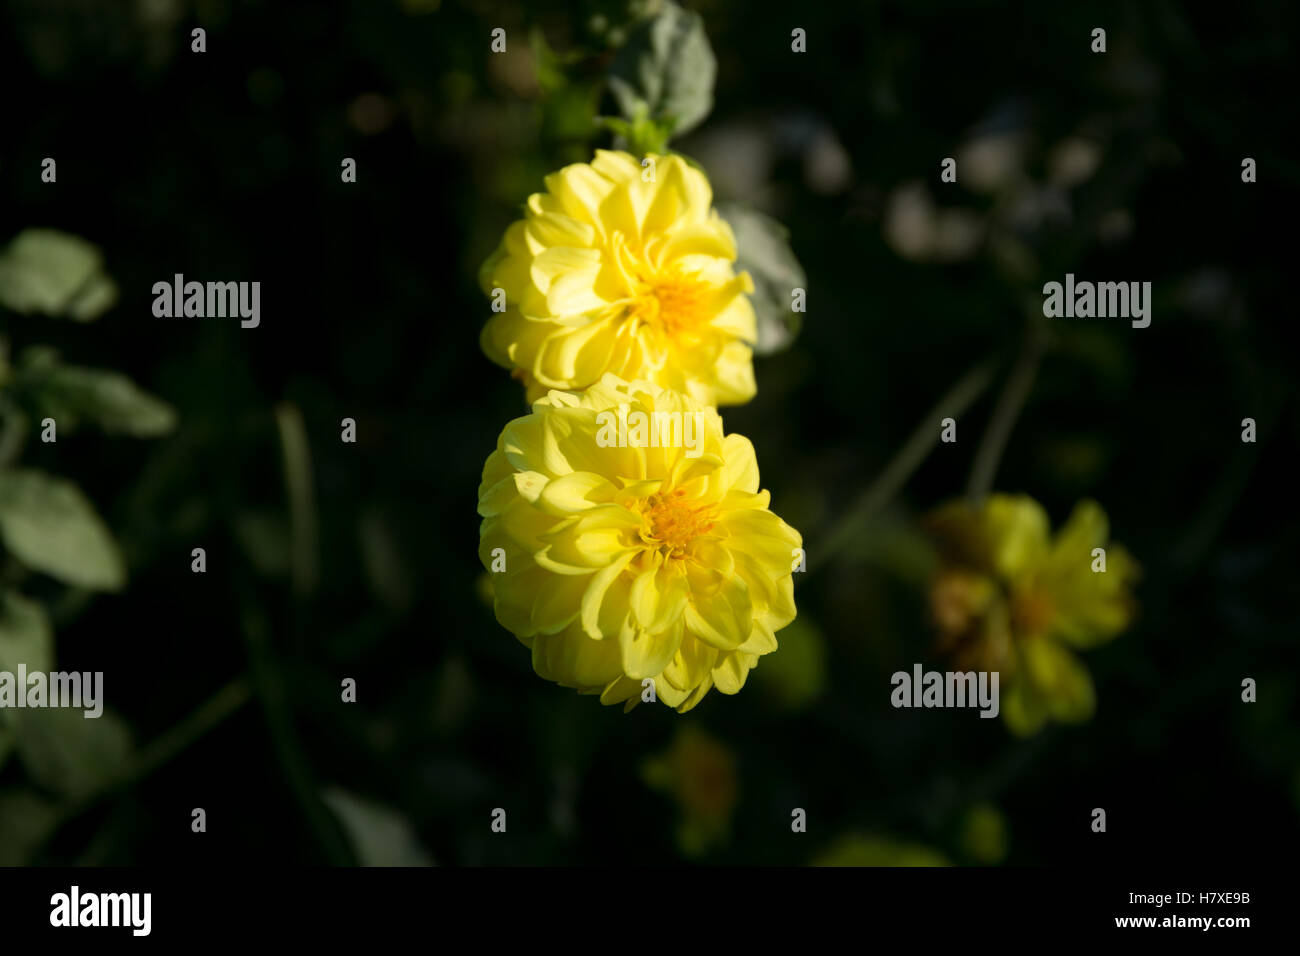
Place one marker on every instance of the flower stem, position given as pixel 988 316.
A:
pixel 205 718
pixel 1010 403
pixel 890 481
pixel 296 457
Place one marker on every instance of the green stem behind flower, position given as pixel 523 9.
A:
pixel 1010 403
pixel 278 711
pixel 205 718
pixel 890 481
pixel 296 456
pixel 642 134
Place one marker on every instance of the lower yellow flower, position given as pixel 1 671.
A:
pixel 630 541
pixel 1010 598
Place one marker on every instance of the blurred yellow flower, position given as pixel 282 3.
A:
pixel 623 268
pixel 699 773
pixel 859 849
pixel 984 834
pixel 621 561
pixel 1012 599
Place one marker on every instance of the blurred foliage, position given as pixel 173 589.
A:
pixel 699 773
pixel 328 561
pixel 48 525
pixel 666 70
pixel 763 247
pixel 48 272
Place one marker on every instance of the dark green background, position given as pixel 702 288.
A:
pixel 225 165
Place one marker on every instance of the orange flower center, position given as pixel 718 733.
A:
pixel 672 522
pixel 956 598
pixel 1031 612
pixel 674 303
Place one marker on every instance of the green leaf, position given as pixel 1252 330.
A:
pixel 641 135
pixel 264 536
pixel 26 821
pixel 51 272
pixel 48 524
pixel 381 558
pixel 795 675
pixel 763 249
pixel 25 635
pixel 70 394
pixel 379 836
pixel 667 67
pixel 550 67
pixel 68 753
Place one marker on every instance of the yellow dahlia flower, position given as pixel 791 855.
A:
pixel 610 273
pixel 624 553
pixel 1010 598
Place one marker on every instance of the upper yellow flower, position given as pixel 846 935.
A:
pixel 623 268
pixel 1011 599
pixel 624 552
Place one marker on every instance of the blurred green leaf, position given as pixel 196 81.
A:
pixel 304 534
pixel 667 65
pixel 386 570
pixel 26 821
pixel 264 536
pixel 1100 351
pixel 51 272
pixel 25 635
pixel 796 674
pixel 380 836
pixel 70 394
pixel 984 834
pixel 763 249
pixel 454 695
pixel 640 135
pixel 551 76
pixel 48 524
pixel 70 754
pixel 569 113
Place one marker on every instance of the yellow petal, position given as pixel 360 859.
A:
pixel 659 596
pixel 575 660
pixel 690 666
pixel 580 190
pixel 729 676
pixel 1017 530
pixel 741 469
pixel 579 491
pixel 598 587
pixel 647 653
pixel 1060 679
pixel 724 618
